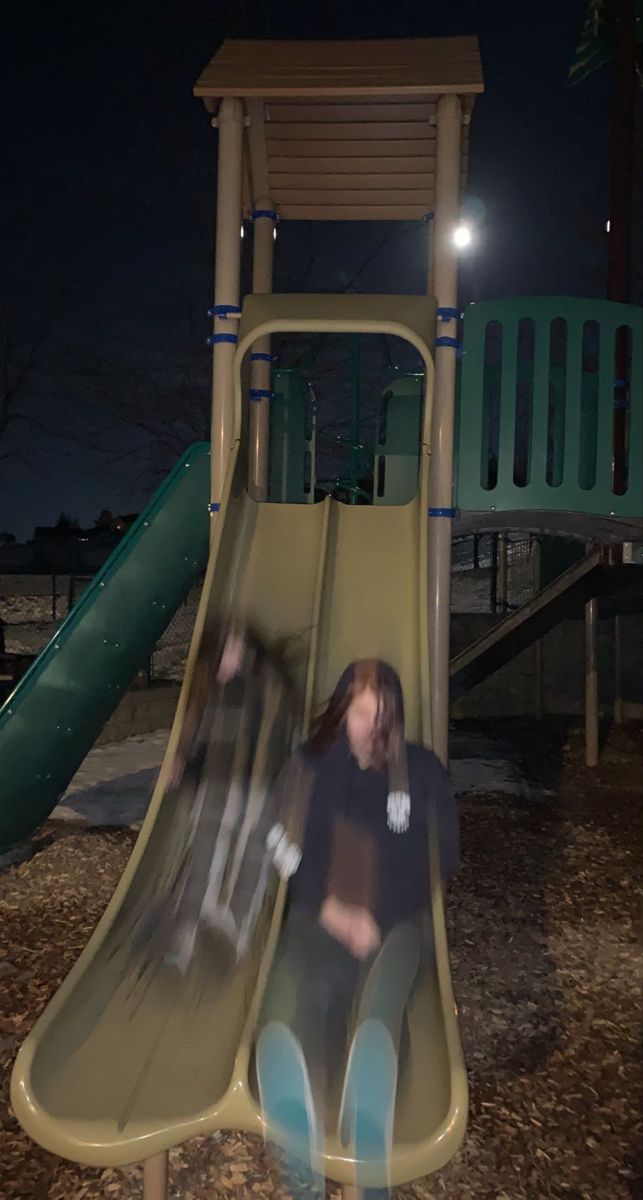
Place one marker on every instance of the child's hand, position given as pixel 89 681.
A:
pixel 176 771
pixel 232 658
pixel 354 927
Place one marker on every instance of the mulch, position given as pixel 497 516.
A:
pixel 544 924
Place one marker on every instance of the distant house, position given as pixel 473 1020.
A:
pixel 45 534
pixel 55 550
pixel 124 522
pixel 64 548
pixel 16 559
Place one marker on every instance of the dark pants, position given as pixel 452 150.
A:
pixel 321 992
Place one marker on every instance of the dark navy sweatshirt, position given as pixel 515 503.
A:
pixel 349 848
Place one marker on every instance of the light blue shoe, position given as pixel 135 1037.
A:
pixel 367 1108
pixel 287 1102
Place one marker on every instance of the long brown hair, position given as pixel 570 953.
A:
pixel 389 727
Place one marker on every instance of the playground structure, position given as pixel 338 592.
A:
pixel 385 139
pixel 536 452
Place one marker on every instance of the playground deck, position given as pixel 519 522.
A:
pixel 543 930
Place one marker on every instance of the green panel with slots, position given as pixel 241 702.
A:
pixel 551 407
pixel 291 474
pixel 398 441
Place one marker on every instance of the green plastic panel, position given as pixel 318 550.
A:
pixel 292 443
pixel 537 404
pixel 398 446
pixel 58 709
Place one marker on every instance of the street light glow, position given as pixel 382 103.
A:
pixel 462 236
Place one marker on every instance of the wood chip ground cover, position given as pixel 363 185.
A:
pixel 544 928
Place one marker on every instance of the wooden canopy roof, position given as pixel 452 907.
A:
pixel 343 130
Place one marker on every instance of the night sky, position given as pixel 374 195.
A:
pixel 108 203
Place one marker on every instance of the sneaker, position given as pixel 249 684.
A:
pixel 367 1107
pixel 287 1100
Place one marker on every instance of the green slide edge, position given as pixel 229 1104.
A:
pixel 54 715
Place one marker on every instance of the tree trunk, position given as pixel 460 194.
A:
pixel 625 88
pixel 619 267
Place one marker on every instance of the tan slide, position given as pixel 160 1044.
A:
pixel 118 1069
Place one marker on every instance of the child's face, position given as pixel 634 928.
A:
pixel 361 722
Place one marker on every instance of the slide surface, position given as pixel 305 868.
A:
pixel 58 709
pixel 123 1065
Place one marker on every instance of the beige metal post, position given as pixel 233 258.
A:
pixel 226 283
pixel 502 586
pixel 155 1177
pixel 536 572
pixel 445 272
pixel 618 671
pixel 260 372
pixel 430 249
pixel 591 683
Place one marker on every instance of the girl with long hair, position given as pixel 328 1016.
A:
pixel 359 888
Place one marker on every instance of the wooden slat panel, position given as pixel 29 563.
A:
pixel 268 90
pixel 347 212
pixel 344 131
pixel 422 148
pixel 398 66
pixel 351 197
pixel 336 166
pixel 288 102
pixel 292 110
pixel 422 181
pixel 353 53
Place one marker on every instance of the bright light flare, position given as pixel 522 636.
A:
pixel 462 236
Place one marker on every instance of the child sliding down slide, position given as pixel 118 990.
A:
pixel 350 947
pixel 216 859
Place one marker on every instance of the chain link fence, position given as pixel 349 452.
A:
pixel 494 573
pixel 491 573
pixel 33 607
pixel 170 654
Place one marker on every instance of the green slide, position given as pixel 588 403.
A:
pixel 58 709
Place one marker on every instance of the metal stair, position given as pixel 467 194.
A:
pixel 597 574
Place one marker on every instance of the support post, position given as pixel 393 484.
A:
pixel 591 684
pixel 493 575
pixel 226 285
pixel 155 1172
pixel 618 671
pixel 536 572
pixel 540 680
pixel 445 275
pixel 503 573
pixel 260 367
